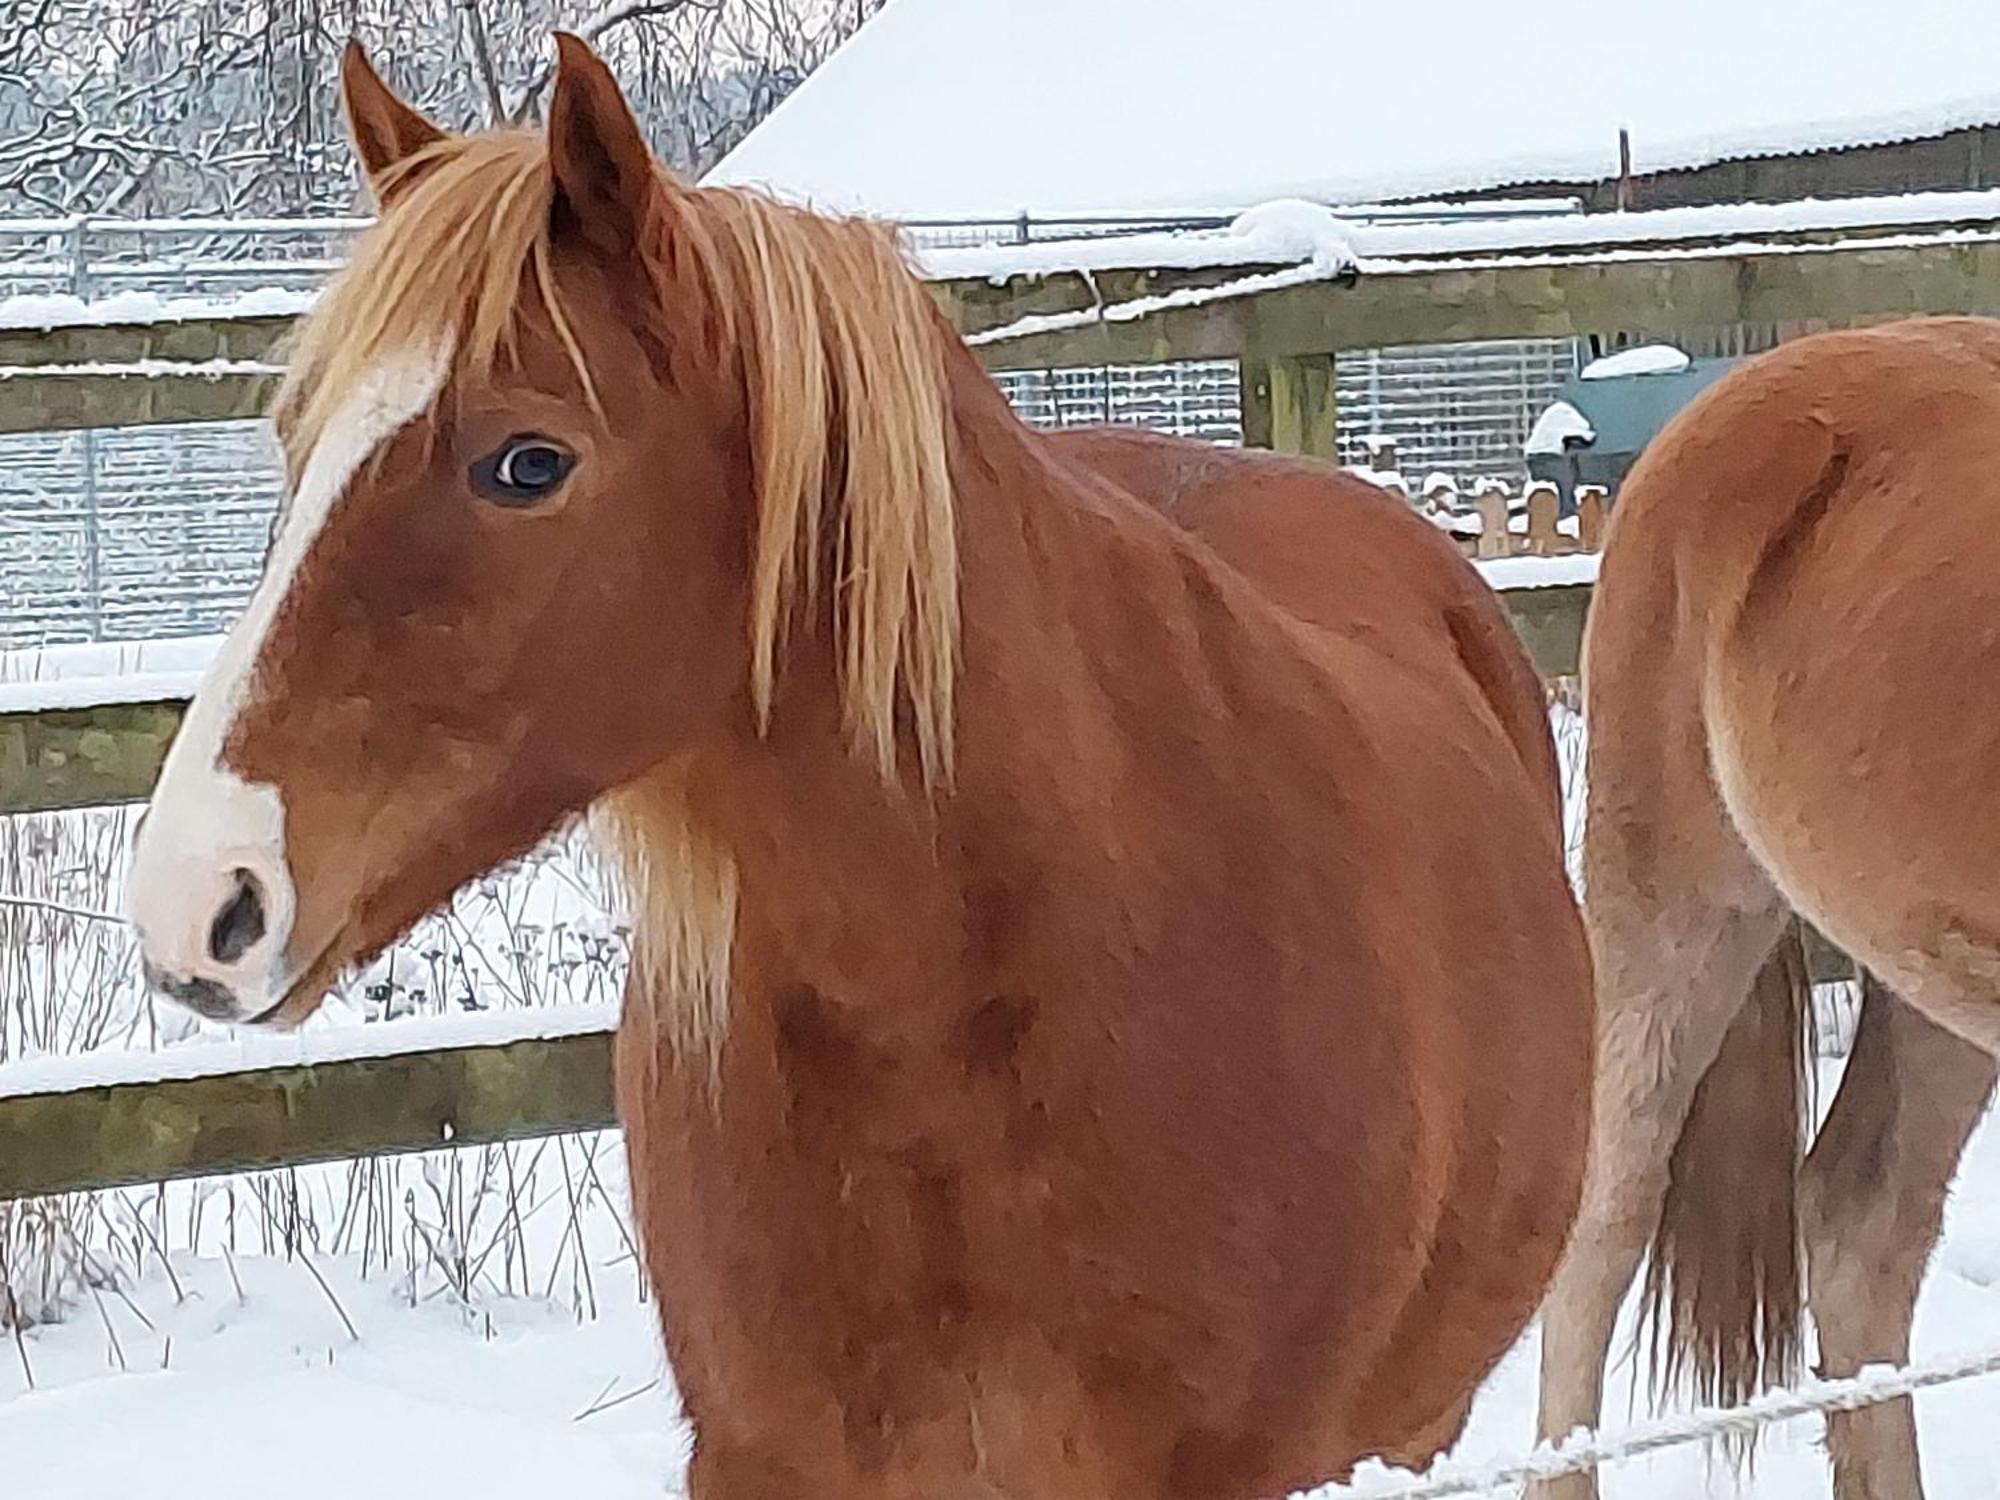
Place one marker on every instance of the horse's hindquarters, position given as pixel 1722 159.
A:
pixel 1857 755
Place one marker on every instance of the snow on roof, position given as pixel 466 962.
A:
pixel 1641 359
pixel 993 108
pixel 1556 426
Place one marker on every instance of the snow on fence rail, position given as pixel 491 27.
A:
pixel 45 311
pixel 1303 242
pixel 102 673
pixel 1269 233
pixel 1587 1450
pixel 1281 235
pixel 111 1119
pixel 315 1046
pixel 90 255
pixel 25 228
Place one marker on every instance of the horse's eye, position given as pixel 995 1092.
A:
pixel 522 470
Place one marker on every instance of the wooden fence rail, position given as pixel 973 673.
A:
pixel 1284 337
pixel 88 394
pixel 70 1140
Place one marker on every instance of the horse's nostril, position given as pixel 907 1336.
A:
pixel 239 926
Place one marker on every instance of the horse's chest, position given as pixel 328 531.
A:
pixel 888 1183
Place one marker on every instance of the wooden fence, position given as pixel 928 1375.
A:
pixel 97 374
pixel 70 1139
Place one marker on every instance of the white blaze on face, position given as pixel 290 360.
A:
pixel 209 889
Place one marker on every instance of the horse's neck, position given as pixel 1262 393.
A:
pixel 863 890
pixel 1033 520
pixel 854 887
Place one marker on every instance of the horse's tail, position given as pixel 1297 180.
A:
pixel 1724 1294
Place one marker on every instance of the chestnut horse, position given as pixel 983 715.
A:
pixel 1782 679
pixel 1107 1016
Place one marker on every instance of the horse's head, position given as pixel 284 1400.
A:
pixel 564 443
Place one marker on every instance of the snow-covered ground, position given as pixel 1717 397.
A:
pixel 256 1373
pixel 417 1408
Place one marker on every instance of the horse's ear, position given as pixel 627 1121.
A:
pixel 386 131
pixel 603 170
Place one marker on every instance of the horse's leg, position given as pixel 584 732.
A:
pixel 1670 982
pixel 1872 1199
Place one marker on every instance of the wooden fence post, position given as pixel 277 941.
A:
pixel 1545 537
pixel 1495 540
pixel 1288 404
pixel 1590 517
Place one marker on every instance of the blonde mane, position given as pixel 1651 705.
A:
pixel 840 352
pixel 842 359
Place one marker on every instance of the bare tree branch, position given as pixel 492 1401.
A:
pixel 482 57
pixel 213 107
pixel 593 29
